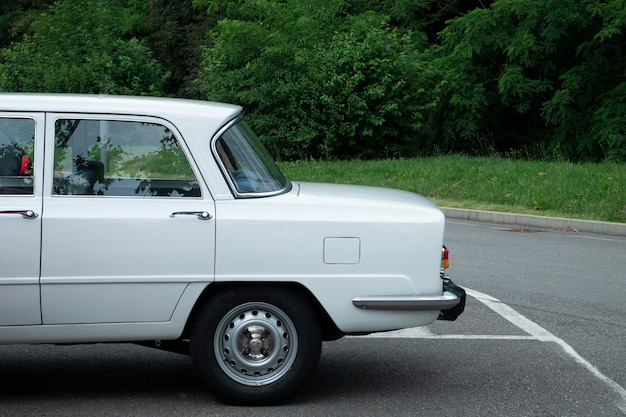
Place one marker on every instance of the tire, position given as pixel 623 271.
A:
pixel 255 345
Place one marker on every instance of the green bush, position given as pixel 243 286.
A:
pixel 529 73
pixel 83 46
pixel 340 79
pixel 317 83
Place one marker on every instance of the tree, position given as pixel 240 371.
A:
pixel 424 16
pixel 315 81
pixel 588 107
pixel 15 17
pixel 523 73
pixel 349 78
pixel 83 46
pixel 177 36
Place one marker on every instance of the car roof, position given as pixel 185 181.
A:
pixel 111 104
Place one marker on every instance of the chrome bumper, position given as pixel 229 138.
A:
pixel 408 303
pixel 450 304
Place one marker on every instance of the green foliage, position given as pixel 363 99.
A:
pixel 349 78
pixel 177 33
pixel 15 18
pixel 424 16
pixel 91 51
pixel 588 107
pixel 319 83
pixel 526 72
pixel 608 124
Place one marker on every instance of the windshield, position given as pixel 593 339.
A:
pixel 249 167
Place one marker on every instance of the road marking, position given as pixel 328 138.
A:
pixel 540 333
pixel 606 239
pixel 425 333
pixel 535 332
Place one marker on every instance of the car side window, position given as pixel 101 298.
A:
pixel 17 147
pixel 120 158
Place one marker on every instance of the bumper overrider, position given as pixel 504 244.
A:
pixel 450 303
pixel 452 313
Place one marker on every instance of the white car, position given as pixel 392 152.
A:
pixel 165 222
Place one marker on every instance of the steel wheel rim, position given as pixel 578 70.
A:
pixel 255 344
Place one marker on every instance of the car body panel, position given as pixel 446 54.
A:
pixel 107 268
pixel 108 332
pixel 282 238
pixel 107 259
pixel 19 245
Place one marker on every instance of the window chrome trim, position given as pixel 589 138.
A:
pixel 54 117
pixel 228 178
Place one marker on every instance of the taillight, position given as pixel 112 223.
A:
pixel 445 253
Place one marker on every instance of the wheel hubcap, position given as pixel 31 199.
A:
pixel 255 344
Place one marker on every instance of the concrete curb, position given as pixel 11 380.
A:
pixel 556 223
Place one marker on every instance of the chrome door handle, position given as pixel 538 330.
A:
pixel 27 214
pixel 202 215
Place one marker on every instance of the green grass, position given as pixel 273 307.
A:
pixel 560 189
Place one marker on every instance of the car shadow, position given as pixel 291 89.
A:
pixel 40 373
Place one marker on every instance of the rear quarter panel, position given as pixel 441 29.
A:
pixel 282 238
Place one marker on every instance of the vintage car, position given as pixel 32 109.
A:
pixel 164 222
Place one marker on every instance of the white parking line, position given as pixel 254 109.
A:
pixel 540 333
pixel 425 333
pixel 535 332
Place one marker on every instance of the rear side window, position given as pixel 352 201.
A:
pixel 120 158
pixel 17 139
pixel 248 166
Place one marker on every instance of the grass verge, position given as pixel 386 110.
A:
pixel 559 189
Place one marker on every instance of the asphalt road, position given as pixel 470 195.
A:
pixel 543 335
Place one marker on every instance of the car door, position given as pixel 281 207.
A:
pixel 21 140
pixel 128 222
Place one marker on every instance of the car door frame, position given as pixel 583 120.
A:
pixel 21 222
pixel 109 295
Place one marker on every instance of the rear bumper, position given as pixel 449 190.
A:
pixel 451 302
pixel 407 303
pixel 452 313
